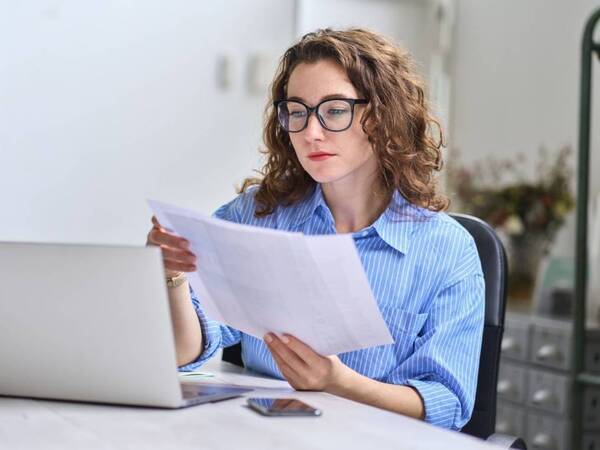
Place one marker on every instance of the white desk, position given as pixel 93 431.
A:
pixel 40 424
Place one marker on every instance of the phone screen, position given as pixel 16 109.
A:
pixel 282 407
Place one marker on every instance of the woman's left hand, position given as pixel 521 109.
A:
pixel 302 367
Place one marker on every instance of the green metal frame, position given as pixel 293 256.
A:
pixel 588 49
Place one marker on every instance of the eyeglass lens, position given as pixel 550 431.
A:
pixel 334 115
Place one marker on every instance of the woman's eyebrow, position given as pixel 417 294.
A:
pixel 326 97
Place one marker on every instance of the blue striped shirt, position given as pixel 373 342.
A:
pixel 425 274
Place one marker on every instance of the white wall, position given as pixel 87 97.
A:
pixel 516 81
pixel 103 104
pixel 516 75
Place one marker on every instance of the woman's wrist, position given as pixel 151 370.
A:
pixel 172 273
pixel 341 378
pixel 175 279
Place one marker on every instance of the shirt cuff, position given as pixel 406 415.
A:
pixel 211 339
pixel 440 404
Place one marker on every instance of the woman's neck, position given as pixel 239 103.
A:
pixel 353 206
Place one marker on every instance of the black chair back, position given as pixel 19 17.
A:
pixel 494 265
pixel 493 262
pixel 233 355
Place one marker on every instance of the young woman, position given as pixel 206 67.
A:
pixel 350 149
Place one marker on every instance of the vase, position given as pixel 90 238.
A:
pixel 525 253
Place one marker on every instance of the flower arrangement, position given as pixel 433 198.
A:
pixel 526 211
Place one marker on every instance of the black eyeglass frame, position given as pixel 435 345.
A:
pixel 350 101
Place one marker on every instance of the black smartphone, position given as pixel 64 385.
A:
pixel 282 407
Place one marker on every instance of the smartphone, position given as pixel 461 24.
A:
pixel 282 407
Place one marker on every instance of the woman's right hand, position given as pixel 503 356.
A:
pixel 176 253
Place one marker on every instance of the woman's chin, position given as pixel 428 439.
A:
pixel 323 178
pixel 324 175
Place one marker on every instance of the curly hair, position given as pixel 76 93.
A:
pixel 405 137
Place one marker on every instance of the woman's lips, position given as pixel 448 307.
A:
pixel 319 156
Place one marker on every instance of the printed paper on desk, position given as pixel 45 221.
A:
pixel 259 280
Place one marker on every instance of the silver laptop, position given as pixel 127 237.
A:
pixel 91 323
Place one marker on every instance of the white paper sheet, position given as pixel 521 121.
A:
pixel 260 280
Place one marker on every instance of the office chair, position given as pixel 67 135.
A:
pixel 495 269
pixel 494 265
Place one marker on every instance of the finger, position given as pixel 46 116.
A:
pixel 177 266
pixel 173 254
pixel 159 237
pixel 291 358
pixel 287 371
pixel 155 222
pixel 304 351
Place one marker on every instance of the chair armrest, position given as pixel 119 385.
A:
pixel 507 441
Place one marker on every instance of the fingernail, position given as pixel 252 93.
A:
pixel 285 339
pixel 184 244
pixel 268 338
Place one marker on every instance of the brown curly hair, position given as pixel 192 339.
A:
pixel 405 137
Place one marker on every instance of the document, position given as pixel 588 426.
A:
pixel 260 280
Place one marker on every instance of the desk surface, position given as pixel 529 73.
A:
pixel 41 424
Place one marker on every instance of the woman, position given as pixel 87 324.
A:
pixel 349 150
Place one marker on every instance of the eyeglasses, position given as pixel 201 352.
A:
pixel 334 114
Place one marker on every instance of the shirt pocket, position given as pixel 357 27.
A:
pixel 404 327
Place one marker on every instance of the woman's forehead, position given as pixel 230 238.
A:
pixel 313 81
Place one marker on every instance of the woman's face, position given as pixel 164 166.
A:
pixel 345 157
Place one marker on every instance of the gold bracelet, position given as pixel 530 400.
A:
pixel 177 280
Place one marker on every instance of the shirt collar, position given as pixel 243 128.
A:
pixel 307 207
pixel 394 226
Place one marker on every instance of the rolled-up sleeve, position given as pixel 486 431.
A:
pixel 444 365
pixel 214 336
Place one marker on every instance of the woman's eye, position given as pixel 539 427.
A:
pixel 297 114
pixel 336 111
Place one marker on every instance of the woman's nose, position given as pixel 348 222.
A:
pixel 314 130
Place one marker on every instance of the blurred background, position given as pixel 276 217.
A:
pixel 106 104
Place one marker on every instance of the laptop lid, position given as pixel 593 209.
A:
pixel 86 323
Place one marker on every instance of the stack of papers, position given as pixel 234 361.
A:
pixel 260 280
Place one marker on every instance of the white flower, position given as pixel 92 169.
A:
pixel 513 225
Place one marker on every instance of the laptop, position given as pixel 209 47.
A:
pixel 91 323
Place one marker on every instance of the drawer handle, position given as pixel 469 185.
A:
pixel 541 397
pixel 542 441
pixel 548 352
pixel 505 387
pixel 502 427
pixel 508 344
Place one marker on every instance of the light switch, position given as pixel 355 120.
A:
pixel 261 69
pixel 224 72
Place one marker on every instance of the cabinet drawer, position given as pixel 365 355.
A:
pixel 512 382
pixel 591 409
pixel 547 433
pixel 511 419
pixel 551 343
pixel 591 441
pixel 549 392
pixel 515 340
pixel 592 357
